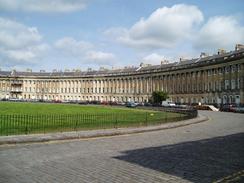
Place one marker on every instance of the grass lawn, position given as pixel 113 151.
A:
pixel 24 118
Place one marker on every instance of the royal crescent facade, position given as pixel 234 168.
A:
pixel 217 79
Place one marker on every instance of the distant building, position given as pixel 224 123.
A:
pixel 216 79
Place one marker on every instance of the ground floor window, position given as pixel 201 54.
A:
pixel 237 98
pixel 224 99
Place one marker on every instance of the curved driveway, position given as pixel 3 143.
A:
pixel 204 152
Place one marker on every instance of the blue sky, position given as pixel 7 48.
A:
pixel 77 34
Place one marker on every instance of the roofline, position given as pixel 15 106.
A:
pixel 192 63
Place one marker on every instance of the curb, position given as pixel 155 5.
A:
pixel 35 138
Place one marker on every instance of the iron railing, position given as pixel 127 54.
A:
pixel 15 124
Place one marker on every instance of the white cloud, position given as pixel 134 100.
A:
pixel 28 54
pixel 100 57
pixel 20 55
pixel 43 5
pixel 14 35
pixel 19 44
pixel 83 51
pixel 162 29
pixel 220 32
pixel 72 47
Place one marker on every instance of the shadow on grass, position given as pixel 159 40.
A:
pixel 198 161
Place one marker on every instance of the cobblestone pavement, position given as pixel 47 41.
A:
pixel 204 152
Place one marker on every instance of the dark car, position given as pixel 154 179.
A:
pixel 131 104
pixel 83 102
pixel 239 109
pixel 105 103
pixel 147 104
pixel 228 108
pixel 112 103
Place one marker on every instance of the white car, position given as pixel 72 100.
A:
pixel 168 104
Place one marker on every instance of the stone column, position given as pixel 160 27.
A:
pixel 125 86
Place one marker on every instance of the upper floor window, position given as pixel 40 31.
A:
pixel 227 69
pixel 220 70
pixel 238 66
pixel 226 84
pixel 233 84
pixel 219 84
pixel 209 86
pixel 238 83
pixel 209 72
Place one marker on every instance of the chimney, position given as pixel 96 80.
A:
pixel 203 55
pixel 164 62
pixel 239 47
pixel 221 51
pixel 182 59
pixel 13 72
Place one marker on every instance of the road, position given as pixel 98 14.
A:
pixel 204 152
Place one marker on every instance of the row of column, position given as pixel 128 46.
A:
pixel 177 83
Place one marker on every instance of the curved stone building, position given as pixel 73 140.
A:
pixel 216 79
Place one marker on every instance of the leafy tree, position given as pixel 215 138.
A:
pixel 159 96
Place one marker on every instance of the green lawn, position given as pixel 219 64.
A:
pixel 25 118
pixel 52 108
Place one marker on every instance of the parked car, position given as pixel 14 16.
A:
pixel 4 99
pixel 147 104
pixel 131 104
pixel 182 106
pixel 96 102
pixel 239 109
pixel 168 104
pixel 14 99
pixel 105 103
pixel 206 107
pixel 56 101
pixel 113 103
pixel 121 103
pixel 83 102
pixel 228 108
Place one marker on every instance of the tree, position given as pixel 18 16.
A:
pixel 159 96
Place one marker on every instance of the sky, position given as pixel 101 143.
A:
pixel 82 34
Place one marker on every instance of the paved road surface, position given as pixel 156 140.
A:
pixel 204 152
